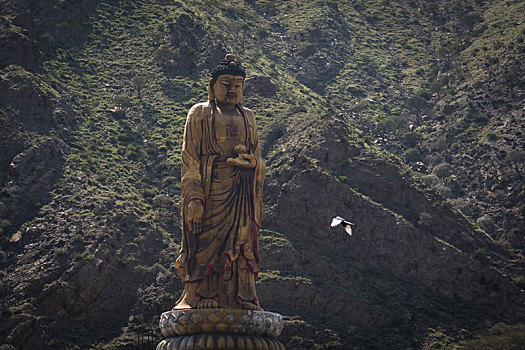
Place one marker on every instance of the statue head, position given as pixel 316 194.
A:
pixel 226 85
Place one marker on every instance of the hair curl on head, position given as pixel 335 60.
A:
pixel 227 66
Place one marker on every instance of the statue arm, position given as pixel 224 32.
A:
pixel 260 170
pixel 191 178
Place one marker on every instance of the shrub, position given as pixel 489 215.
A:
pixel 165 54
pixel 122 101
pixel 412 155
pixel 138 82
pixel 469 19
pixel 262 33
pixel 148 192
pixel 486 223
pixel 492 136
pixel 435 159
pixel 442 170
pixel 64 26
pixel 435 86
pixel 427 95
pixel 479 118
pixel 391 124
pixel 430 179
pixel 480 254
pixel 501 336
pixel 425 219
pixel 519 281
pixel 416 104
pixel 412 138
pixel 47 39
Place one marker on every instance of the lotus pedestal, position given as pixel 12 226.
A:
pixel 210 329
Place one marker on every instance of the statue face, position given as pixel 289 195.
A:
pixel 228 90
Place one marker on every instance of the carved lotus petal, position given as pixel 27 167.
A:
pixel 213 317
pixel 197 318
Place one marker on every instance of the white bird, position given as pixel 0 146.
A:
pixel 342 221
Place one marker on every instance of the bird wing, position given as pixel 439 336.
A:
pixel 348 229
pixel 336 221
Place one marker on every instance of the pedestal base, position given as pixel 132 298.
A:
pixel 219 341
pixel 220 329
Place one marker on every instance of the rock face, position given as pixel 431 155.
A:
pixel 31 161
pixel 29 95
pixel 431 254
pixel 30 179
pixel 18 48
pixel 260 86
pixel 385 242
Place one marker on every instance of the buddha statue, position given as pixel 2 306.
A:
pixel 221 189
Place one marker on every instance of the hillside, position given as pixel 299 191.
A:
pixel 404 117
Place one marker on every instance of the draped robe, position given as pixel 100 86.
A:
pixel 222 260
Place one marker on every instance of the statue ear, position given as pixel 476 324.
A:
pixel 242 99
pixel 211 95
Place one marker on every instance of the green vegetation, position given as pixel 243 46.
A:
pixel 500 336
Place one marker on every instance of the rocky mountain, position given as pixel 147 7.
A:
pixel 404 117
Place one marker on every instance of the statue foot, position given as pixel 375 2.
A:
pixel 246 305
pixel 208 304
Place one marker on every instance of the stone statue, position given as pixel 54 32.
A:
pixel 221 189
pixel 222 183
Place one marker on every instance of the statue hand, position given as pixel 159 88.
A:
pixel 195 212
pixel 243 161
